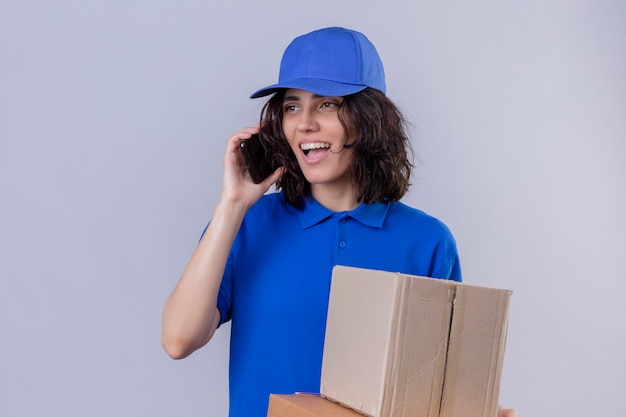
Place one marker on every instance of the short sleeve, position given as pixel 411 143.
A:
pixel 445 261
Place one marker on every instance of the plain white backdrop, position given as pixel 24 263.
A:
pixel 113 119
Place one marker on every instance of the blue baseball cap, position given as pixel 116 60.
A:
pixel 329 62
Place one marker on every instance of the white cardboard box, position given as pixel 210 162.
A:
pixel 404 346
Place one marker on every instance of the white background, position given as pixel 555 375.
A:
pixel 113 119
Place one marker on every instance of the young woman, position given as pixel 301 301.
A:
pixel 265 260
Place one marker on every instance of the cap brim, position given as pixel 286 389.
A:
pixel 326 88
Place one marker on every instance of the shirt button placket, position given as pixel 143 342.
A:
pixel 341 235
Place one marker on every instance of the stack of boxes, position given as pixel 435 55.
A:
pixel 404 346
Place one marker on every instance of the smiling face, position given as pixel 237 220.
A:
pixel 317 137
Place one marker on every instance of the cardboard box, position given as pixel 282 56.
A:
pixel 306 406
pixel 405 346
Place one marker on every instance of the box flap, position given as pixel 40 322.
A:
pixel 361 308
pixel 418 352
pixel 386 341
pixel 476 352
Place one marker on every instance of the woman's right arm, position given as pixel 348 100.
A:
pixel 190 315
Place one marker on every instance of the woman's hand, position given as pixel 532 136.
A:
pixel 236 183
pixel 506 412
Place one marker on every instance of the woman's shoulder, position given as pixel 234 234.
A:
pixel 271 199
pixel 270 204
pixel 402 214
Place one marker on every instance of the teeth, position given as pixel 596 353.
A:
pixel 316 145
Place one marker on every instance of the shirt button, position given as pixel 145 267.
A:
pixel 343 221
pixel 342 244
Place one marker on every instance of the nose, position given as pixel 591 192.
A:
pixel 307 122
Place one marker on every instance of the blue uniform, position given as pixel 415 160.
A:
pixel 276 284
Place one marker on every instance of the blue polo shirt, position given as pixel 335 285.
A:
pixel 276 285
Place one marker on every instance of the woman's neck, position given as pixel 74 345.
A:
pixel 336 199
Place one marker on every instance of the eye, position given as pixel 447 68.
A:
pixel 287 108
pixel 330 105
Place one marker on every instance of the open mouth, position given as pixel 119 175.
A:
pixel 315 147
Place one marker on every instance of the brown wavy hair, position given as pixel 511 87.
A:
pixel 382 166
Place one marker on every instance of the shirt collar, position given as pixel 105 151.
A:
pixel 372 215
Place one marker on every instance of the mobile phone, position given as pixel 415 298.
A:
pixel 257 159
